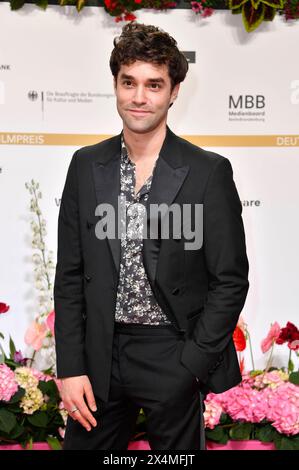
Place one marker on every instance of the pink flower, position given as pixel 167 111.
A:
pixel 294 345
pixel 8 384
pixel 283 408
pixel 40 375
pixel 51 321
pixel 207 12
pixel 271 337
pixel 35 335
pixel 212 414
pixel 61 432
pixel 197 7
pixel 245 404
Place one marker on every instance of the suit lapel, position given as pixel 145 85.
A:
pixel 106 175
pixel 168 178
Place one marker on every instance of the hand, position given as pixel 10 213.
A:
pixel 72 394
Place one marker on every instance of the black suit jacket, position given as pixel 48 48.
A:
pixel 202 291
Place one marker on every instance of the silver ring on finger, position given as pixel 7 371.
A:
pixel 73 410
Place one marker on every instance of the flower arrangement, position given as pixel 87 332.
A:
pixel 265 405
pixel 31 409
pixel 253 12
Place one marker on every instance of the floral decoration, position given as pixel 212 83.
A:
pixel 253 12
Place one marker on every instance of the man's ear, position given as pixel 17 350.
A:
pixel 175 92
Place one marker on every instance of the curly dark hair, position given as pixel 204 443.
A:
pixel 149 44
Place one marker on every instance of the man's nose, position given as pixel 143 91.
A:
pixel 139 95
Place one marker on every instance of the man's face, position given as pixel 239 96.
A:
pixel 143 95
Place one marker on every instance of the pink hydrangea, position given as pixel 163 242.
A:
pixel 272 379
pixel 267 396
pixel 244 403
pixel 8 384
pixel 283 408
pixel 212 413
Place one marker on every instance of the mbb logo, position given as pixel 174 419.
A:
pixel 247 101
pixel 295 92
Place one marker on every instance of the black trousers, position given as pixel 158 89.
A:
pixel 146 373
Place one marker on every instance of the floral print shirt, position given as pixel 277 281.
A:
pixel 135 301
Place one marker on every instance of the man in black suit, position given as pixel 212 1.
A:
pixel 146 321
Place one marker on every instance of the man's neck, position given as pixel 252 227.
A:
pixel 142 147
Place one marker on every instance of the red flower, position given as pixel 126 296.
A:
pixel 242 365
pixel 108 3
pixel 138 1
pixel 130 17
pixel 288 334
pixel 3 307
pixel 239 339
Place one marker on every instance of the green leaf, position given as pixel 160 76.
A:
pixel 294 378
pixel 295 442
pixel 38 419
pixel 256 372
pixel 265 434
pixel 80 5
pixel 12 348
pixel 54 443
pixel 274 3
pixel 217 434
pixel 269 16
pixel 1 335
pixel 241 432
pixel 16 432
pixel 285 443
pixel 232 4
pixel 12 364
pixel 237 11
pixel 3 355
pixel 16 4
pixel 42 4
pixel 290 365
pixel 255 3
pixel 7 420
pixel 252 17
pixel 49 388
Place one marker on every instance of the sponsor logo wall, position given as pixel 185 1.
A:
pixel 240 99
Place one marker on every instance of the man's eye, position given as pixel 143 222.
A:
pixel 156 85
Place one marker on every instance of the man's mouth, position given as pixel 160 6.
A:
pixel 139 112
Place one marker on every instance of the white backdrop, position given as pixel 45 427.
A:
pixel 56 94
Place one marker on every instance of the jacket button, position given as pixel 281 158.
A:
pixel 88 278
pixel 175 291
